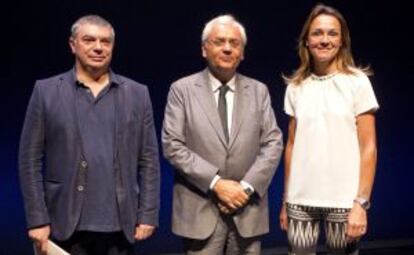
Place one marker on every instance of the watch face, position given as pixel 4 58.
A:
pixel 248 191
pixel 365 204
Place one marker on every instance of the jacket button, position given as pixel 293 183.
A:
pixel 84 164
pixel 80 188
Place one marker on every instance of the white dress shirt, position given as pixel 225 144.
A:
pixel 215 85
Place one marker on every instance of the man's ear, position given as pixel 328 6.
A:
pixel 203 50
pixel 72 44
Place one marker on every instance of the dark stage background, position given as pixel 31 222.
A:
pixel 158 42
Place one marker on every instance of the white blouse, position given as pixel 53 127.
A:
pixel 325 162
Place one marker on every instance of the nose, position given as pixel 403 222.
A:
pixel 227 47
pixel 98 47
pixel 324 42
pixel 325 39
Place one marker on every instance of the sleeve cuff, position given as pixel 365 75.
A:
pixel 247 186
pixel 214 181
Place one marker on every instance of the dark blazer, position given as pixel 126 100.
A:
pixel 194 143
pixel 51 165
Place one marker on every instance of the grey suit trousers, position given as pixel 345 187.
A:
pixel 224 240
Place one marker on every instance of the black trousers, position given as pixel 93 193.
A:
pixel 97 243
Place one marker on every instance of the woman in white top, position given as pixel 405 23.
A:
pixel 330 155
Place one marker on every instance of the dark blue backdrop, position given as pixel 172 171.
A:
pixel 158 42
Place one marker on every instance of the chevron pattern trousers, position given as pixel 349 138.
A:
pixel 304 230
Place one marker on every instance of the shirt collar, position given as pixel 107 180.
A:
pixel 216 84
pixel 113 79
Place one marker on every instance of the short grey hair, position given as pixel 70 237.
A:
pixel 93 20
pixel 226 19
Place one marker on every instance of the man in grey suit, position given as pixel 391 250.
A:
pixel 88 160
pixel 221 136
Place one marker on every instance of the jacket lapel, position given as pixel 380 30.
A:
pixel 240 103
pixel 205 96
pixel 120 111
pixel 68 97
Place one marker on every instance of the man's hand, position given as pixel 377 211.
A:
pixel 357 223
pixel 40 237
pixel 224 209
pixel 231 194
pixel 143 231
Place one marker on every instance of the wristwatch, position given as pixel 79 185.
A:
pixel 248 191
pixel 365 204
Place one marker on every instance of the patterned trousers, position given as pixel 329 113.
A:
pixel 304 229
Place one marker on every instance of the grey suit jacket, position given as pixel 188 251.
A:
pixel 51 163
pixel 194 143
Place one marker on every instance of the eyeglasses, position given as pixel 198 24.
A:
pixel 220 42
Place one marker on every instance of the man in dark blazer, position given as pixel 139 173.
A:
pixel 221 136
pixel 88 160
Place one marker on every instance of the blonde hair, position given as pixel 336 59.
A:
pixel 344 59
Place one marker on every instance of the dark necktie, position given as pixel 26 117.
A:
pixel 222 107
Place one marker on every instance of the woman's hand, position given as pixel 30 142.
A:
pixel 357 223
pixel 283 218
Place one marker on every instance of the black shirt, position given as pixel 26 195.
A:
pixel 97 129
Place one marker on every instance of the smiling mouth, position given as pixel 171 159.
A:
pixel 326 51
pixel 226 59
pixel 97 58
